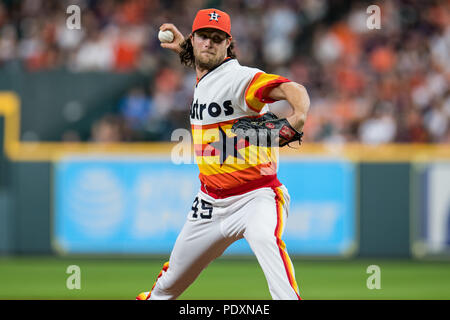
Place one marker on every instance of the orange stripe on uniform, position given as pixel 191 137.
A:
pixel 279 200
pixel 235 178
pixel 256 92
pixel 164 269
pixel 212 125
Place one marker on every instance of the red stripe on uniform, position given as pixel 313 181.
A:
pixel 261 93
pixel 204 150
pixel 220 193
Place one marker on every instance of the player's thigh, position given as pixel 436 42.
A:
pixel 199 242
pixel 266 215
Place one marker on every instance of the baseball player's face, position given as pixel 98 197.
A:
pixel 210 47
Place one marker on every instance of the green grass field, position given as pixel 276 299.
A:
pixel 45 278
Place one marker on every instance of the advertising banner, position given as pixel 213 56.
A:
pixel 139 204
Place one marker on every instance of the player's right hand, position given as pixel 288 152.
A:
pixel 177 40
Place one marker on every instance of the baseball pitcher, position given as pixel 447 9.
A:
pixel 234 136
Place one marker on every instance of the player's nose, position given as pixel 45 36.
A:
pixel 208 43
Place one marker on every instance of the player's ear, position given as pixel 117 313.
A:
pixel 229 39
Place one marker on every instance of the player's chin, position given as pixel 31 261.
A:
pixel 207 63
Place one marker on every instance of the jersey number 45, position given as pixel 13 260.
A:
pixel 205 210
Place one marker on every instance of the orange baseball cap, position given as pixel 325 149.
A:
pixel 212 18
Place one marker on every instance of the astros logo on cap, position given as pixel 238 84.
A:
pixel 214 16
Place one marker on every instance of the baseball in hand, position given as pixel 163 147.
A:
pixel 165 36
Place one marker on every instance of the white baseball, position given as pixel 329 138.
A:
pixel 165 36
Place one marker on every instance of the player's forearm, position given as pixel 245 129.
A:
pixel 297 96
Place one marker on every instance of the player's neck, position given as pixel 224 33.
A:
pixel 200 71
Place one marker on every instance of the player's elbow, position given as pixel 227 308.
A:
pixel 304 94
pixel 299 100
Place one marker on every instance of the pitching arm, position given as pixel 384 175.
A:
pixel 177 38
pixel 297 97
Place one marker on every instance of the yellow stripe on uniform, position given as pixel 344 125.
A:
pixel 164 269
pixel 261 80
pixel 280 201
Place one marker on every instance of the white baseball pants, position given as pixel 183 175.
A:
pixel 212 225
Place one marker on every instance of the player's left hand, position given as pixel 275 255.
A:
pixel 266 130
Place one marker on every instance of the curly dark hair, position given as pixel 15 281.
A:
pixel 187 53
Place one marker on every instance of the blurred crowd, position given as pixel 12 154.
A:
pixel 366 85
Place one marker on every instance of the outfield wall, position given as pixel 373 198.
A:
pixel 347 201
pixel 42 215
